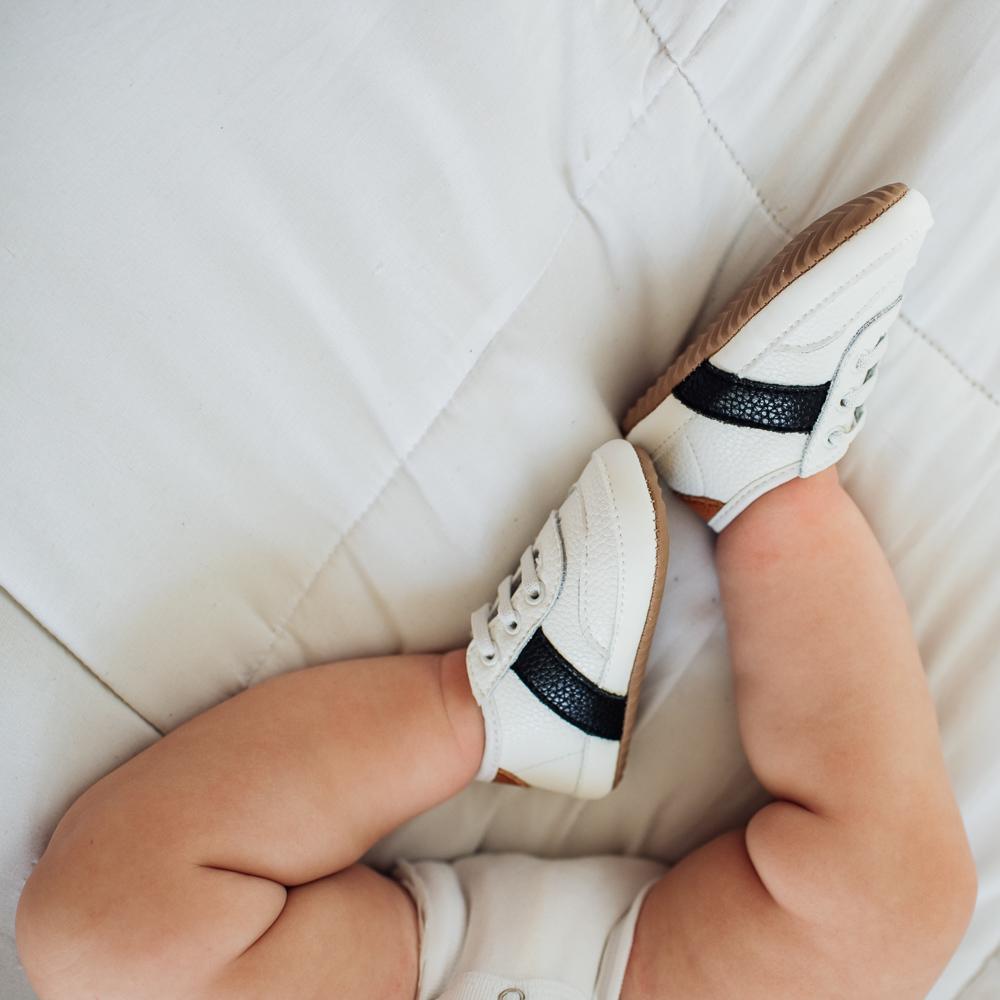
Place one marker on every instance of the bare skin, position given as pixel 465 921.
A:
pixel 858 881
pixel 223 861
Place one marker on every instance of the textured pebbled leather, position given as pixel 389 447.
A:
pixel 536 745
pixel 712 439
pixel 554 700
pixel 820 453
pixel 811 349
pixel 727 397
pixel 555 682
pixel 716 460
pixel 582 623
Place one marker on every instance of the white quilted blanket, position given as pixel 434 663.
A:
pixel 309 312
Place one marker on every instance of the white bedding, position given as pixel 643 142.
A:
pixel 309 312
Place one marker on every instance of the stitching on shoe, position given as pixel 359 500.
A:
pixel 702 478
pixel 851 321
pixel 493 740
pixel 826 299
pixel 582 767
pixel 583 591
pixel 621 569
pixel 662 446
pixel 810 464
pixel 524 771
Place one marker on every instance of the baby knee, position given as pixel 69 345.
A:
pixel 45 949
pixel 881 892
pixel 63 937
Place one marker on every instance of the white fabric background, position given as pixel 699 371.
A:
pixel 309 313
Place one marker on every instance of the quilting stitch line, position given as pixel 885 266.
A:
pixel 762 201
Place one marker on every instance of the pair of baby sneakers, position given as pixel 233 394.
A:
pixel 773 389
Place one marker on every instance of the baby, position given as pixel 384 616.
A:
pixel 223 862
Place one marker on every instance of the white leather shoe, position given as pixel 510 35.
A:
pixel 557 660
pixel 775 386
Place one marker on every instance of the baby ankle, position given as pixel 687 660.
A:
pixel 464 714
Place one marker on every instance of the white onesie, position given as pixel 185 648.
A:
pixel 514 927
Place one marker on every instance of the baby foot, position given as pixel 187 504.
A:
pixel 556 661
pixel 775 387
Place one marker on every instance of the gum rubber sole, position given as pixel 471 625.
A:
pixel 801 253
pixel 646 639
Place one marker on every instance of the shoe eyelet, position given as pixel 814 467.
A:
pixel 489 657
pixel 534 596
pixel 844 402
pixel 512 628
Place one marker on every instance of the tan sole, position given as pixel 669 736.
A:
pixel 504 777
pixel 646 639
pixel 801 253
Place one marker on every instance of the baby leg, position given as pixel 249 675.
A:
pixel 222 861
pixel 857 881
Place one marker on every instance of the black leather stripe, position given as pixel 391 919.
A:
pixel 723 396
pixel 555 682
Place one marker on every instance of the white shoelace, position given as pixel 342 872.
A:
pixel 502 609
pixel 854 399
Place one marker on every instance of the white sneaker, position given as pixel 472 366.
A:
pixel 775 386
pixel 557 660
